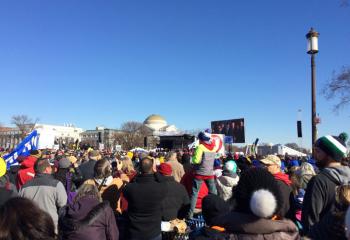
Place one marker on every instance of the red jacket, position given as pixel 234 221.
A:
pixel 26 172
pixel 187 181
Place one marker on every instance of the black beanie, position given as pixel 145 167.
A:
pixel 213 206
pixel 258 193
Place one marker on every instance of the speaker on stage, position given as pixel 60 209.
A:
pixel 300 134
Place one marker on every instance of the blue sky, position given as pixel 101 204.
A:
pixel 106 62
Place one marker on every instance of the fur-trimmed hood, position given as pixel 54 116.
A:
pixel 228 181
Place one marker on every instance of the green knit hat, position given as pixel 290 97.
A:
pixel 333 146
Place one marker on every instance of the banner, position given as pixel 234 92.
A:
pixel 29 143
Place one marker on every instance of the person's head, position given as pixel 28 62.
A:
pixel 258 193
pixel 147 165
pixel 22 219
pixel 165 169
pixel 35 153
pixel 186 158
pixel 94 155
pixel 204 137
pixel 102 169
pixel 42 166
pixel 126 165
pixel 171 156
pixel 88 190
pixel 272 163
pixel 307 169
pixel 213 206
pixel 64 163
pixel 329 149
pixel 230 167
pixel 342 196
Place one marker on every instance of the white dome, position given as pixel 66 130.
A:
pixel 155 122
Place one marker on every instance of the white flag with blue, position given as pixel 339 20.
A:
pixel 29 143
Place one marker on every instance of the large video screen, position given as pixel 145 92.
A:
pixel 233 128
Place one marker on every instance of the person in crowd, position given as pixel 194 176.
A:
pixel 273 165
pixel 176 203
pixel 320 191
pixel 26 171
pixel 22 219
pixel 177 168
pixel 68 173
pixel 144 196
pixel 87 168
pixel 203 159
pixel 213 206
pixel 88 217
pixel 186 162
pixel 12 173
pixel 109 187
pixel 258 201
pixel 127 168
pixel 228 180
pixel 331 226
pixel 7 189
pixel 47 192
pixel 187 182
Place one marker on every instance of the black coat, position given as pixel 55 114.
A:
pixel 287 196
pixel 145 195
pixel 177 202
pixel 320 195
pixel 87 170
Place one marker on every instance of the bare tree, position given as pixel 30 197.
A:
pixel 339 87
pixel 131 135
pixel 24 123
pixel 296 147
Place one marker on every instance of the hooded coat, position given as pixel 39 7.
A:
pixel 320 195
pixel 89 220
pixel 26 172
pixel 225 184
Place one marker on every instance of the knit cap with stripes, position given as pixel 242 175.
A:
pixel 333 146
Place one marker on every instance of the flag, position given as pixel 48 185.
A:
pixel 29 143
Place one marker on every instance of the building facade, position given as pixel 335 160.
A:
pixel 50 135
pixel 99 138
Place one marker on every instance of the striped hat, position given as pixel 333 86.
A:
pixel 333 146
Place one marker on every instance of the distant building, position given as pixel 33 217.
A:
pixel 9 137
pixel 100 137
pixel 167 136
pixel 50 135
pixel 278 149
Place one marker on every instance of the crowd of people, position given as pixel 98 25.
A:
pixel 85 194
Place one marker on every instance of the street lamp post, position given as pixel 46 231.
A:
pixel 312 49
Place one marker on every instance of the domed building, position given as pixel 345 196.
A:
pixel 167 136
pixel 155 122
pixel 158 125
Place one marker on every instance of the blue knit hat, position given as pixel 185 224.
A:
pixel 204 137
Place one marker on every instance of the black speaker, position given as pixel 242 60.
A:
pixel 300 134
pixel 99 137
pixel 145 142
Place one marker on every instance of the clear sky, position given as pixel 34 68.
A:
pixel 106 62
